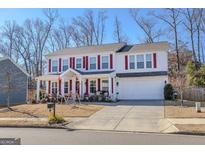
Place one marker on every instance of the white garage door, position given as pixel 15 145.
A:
pixel 141 88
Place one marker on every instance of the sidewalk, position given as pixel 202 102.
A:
pixel 186 121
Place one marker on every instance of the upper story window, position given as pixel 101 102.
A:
pixel 54 66
pixel 132 62
pixel 93 63
pixel 140 61
pixel 78 63
pixel 65 64
pixel 105 62
pixel 148 60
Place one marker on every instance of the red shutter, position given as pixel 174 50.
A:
pixel 111 61
pixel 112 84
pixel 99 84
pixel 77 87
pixel 73 62
pixel 86 63
pixel 83 61
pixel 86 87
pixel 49 65
pixel 59 65
pixel 126 62
pixel 155 60
pixel 49 87
pixel 59 85
pixel 70 84
pixel 98 61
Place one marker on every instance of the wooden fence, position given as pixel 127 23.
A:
pixel 194 94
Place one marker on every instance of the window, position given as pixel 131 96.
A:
pixel 92 63
pixel 140 61
pixel 105 85
pixel 65 87
pixel 92 86
pixel 132 62
pixel 78 63
pixel 54 66
pixel 148 60
pixel 54 87
pixel 65 65
pixel 104 62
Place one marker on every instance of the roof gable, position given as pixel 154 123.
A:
pixel 7 58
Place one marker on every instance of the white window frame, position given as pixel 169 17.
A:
pixel 54 87
pixel 66 87
pixel 134 62
pixel 64 65
pixel 143 61
pixel 95 62
pixel 95 86
pixel 146 60
pixel 102 84
pixel 80 63
pixel 102 62
pixel 52 65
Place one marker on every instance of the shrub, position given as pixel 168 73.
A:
pixel 55 119
pixel 168 92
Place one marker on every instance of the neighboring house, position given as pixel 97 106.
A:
pixel 126 72
pixel 13 76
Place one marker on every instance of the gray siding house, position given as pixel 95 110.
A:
pixel 12 77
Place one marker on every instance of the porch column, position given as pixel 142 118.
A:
pixel 62 87
pixel 73 85
pixel 38 90
pixel 83 87
pixel 110 85
pixel 80 86
pixel 114 88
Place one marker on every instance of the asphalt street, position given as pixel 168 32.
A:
pixel 40 136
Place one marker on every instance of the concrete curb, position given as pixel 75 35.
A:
pixel 190 133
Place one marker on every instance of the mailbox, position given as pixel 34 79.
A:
pixel 50 105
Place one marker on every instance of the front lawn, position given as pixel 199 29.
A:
pixel 185 111
pixel 191 128
pixel 40 111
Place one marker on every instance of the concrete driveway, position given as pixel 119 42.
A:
pixel 127 116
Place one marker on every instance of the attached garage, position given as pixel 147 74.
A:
pixel 141 88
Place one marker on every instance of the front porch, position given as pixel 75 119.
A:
pixel 73 83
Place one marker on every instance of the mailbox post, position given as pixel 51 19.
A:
pixel 52 105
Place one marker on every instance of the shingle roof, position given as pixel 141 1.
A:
pixel 157 46
pixel 89 49
pixel 95 72
pixel 141 74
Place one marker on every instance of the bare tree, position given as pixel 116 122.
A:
pixel 8 85
pixel 39 31
pixel 172 18
pixel 147 26
pixel 118 34
pixel 198 22
pixel 60 37
pixel 88 29
pixel 8 33
pixel 189 24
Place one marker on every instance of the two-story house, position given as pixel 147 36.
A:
pixel 126 72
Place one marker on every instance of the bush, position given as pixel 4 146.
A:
pixel 55 119
pixel 168 92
